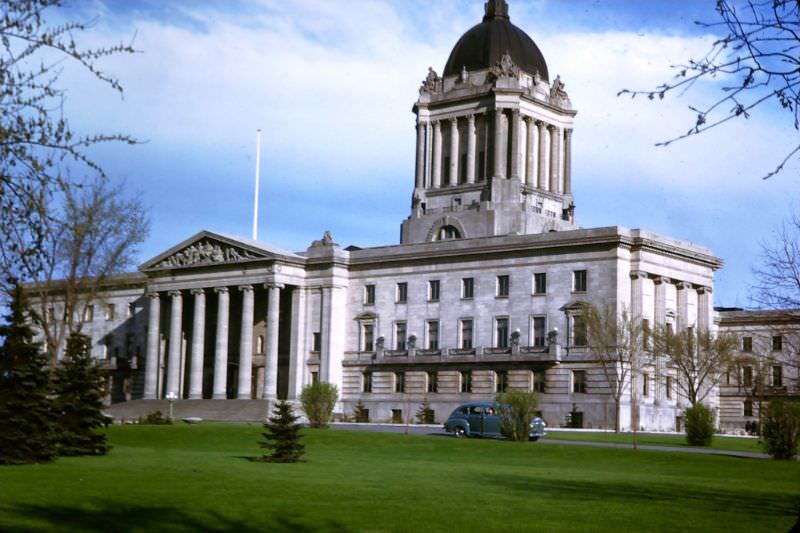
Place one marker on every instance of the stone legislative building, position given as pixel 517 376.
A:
pixel 484 293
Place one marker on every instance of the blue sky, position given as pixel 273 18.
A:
pixel 331 84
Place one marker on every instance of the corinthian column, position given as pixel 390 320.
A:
pixel 542 155
pixel 515 143
pixel 471 149
pixel 437 155
pixel 419 181
pixel 151 360
pixel 682 298
pixel 198 345
pixel 174 363
pixel 530 153
pixel 704 308
pixel 568 161
pixel 453 152
pixel 221 348
pixel 246 344
pixel 554 157
pixel 271 360
pixel 499 145
pixel 637 281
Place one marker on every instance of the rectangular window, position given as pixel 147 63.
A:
pixel 502 286
pixel 645 334
pixel 645 385
pixel 481 165
pixel 500 381
pixel 465 378
pixel 669 388
pixel 748 408
pixel 399 381
pixel 368 331
pixel 747 344
pixel 747 376
pixel 110 312
pixel 131 309
pixel 540 283
pixel 314 378
pixel 316 341
pixel 366 382
pixel 259 344
pixel 433 334
pixel 433 382
pixel 402 292
pixel 579 381
pixel 446 170
pixel 466 333
pixel 578 331
pixel 777 376
pixel 399 335
pixel 501 332
pixel 579 281
pixel 539 331
pixel 467 288
pixel 88 313
pixel 463 168
pixel 777 343
pixel 369 294
pixel 433 290
pixel 539 382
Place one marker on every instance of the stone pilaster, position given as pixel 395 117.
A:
pixel 198 345
pixel 542 155
pixel 428 181
pixel 704 308
pixel 175 338
pixel 516 122
pixel 246 345
pixel 637 283
pixel 454 148
pixel 499 144
pixel 682 299
pixel 419 180
pixel 555 134
pixel 297 360
pixel 437 155
pixel 325 334
pixel 221 345
pixel 530 153
pixel 568 161
pixel 271 360
pixel 151 358
pixel 471 148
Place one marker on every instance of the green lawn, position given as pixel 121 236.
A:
pixel 190 478
pixel 738 444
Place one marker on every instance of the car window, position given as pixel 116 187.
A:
pixel 490 411
pixel 463 411
pixel 476 410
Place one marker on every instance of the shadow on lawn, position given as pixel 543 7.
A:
pixel 110 516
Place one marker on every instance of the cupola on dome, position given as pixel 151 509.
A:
pixel 484 44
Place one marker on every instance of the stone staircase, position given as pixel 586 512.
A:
pixel 208 410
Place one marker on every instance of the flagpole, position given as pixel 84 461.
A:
pixel 255 195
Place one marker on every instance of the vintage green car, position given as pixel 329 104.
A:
pixel 483 420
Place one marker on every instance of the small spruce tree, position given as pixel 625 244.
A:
pixel 282 436
pixel 425 414
pixel 78 386
pixel 26 429
pixel 361 413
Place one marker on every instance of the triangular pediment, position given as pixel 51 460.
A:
pixel 208 249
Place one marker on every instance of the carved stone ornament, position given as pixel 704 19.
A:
pixel 205 252
pixel 326 240
pixel 505 68
pixel 432 83
pixel 557 91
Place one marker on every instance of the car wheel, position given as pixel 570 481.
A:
pixel 533 439
pixel 459 432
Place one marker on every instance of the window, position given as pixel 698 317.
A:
pixel 446 170
pixel 399 381
pixel 748 408
pixel 366 382
pixel 51 314
pixel 402 293
pixel 467 288
pixel 502 286
pixel 368 337
pixel 463 169
pixel 447 233
pixel 314 378
pixel 433 334
pixel 88 313
pixel 579 281
pixel 260 344
pixel 579 381
pixel 131 309
pixel 433 290
pixel 777 376
pixel 110 312
pixel 501 332
pixel 466 333
pixel 539 333
pixel 103 351
pixel 369 294
pixel 777 343
pixel 747 344
pixel 540 283
pixel 399 335
pixel 433 382
pixel 316 341
pixel 500 381
pixel 539 382
pixel 578 331
pixel 481 165
pixel 747 376
pixel 645 334
pixel 669 388
pixel 465 378
pixel 645 385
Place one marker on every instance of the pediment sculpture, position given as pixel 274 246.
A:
pixel 432 83
pixel 505 68
pixel 557 91
pixel 205 252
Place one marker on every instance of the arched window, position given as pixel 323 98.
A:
pixel 447 233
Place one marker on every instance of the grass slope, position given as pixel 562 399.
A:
pixel 190 478
pixel 738 444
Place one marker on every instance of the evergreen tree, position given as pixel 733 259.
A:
pixel 26 429
pixel 78 384
pixel 282 436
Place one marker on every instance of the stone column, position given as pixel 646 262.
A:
pixel 683 304
pixel 704 308
pixel 299 340
pixel 271 360
pixel 555 133
pixel 151 361
pixel 246 345
pixel 660 318
pixel 174 362
pixel 198 345
pixel 530 153
pixel 454 152
pixel 516 151
pixel 542 155
pixel 499 145
pixel 637 310
pixel 437 155
pixel 568 161
pixel 325 334
pixel 221 348
pixel 471 138
pixel 419 181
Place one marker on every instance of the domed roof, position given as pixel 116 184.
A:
pixel 483 45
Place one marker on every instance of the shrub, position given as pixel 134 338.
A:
pixel 282 436
pixel 361 413
pixel 156 418
pixel 516 409
pixel 318 400
pixel 425 414
pixel 781 428
pixel 699 425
